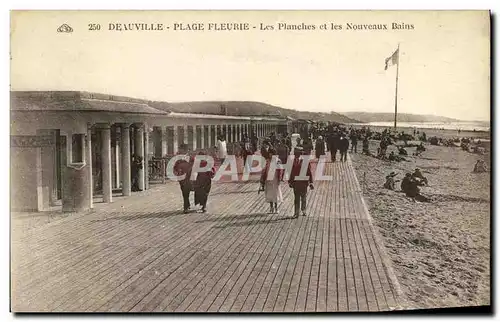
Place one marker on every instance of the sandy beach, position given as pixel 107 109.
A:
pixel 440 250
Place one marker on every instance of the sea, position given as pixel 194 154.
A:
pixel 463 126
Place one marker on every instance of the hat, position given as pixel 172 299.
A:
pixel 298 149
pixel 392 174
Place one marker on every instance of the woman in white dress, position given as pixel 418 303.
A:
pixel 271 188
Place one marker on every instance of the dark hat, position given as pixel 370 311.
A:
pixel 392 174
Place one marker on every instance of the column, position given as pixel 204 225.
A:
pixel 125 146
pixel 89 164
pixel 195 128
pixel 202 136
pixel 238 132
pixel 163 133
pixel 209 136
pixel 185 138
pixel 117 156
pixel 227 133
pixel 146 157
pixel 139 151
pixel 175 141
pixel 77 185
pixel 107 188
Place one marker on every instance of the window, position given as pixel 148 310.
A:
pixel 77 147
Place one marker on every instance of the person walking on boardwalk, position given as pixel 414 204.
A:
pixel 221 148
pixel 283 151
pixel 299 185
pixel 254 141
pixel 334 145
pixel 354 141
pixel 271 187
pixel 246 150
pixel 202 185
pixel 319 149
pixel 183 167
pixel 343 147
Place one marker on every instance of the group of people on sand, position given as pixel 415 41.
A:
pixel 409 185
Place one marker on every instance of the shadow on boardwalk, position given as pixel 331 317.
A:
pixel 142 215
pixel 250 223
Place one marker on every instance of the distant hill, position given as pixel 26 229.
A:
pixel 243 108
pixel 367 117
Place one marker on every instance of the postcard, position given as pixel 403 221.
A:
pixel 250 161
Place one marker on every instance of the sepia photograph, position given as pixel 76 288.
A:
pixel 250 161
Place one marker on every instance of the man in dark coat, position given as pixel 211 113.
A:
pixel 333 145
pixel 183 167
pixel 354 141
pixel 320 147
pixel 300 186
pixel 343 147
pixel 283 151
pixel 254 141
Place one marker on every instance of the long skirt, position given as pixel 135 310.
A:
pixel 272 191
pixel 201 191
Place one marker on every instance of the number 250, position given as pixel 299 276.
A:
pixel 94 26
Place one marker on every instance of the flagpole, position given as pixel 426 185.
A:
pixel 396 95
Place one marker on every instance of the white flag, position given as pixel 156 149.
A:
pixel 392 60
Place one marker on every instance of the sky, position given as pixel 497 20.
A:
pixel 443 65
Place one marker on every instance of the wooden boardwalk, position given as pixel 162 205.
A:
pixel 142 254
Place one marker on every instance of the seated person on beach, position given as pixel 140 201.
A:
pixel 419 177
pixel 390 183
pixel 480 166
pixel 410 187
pixel 402 151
